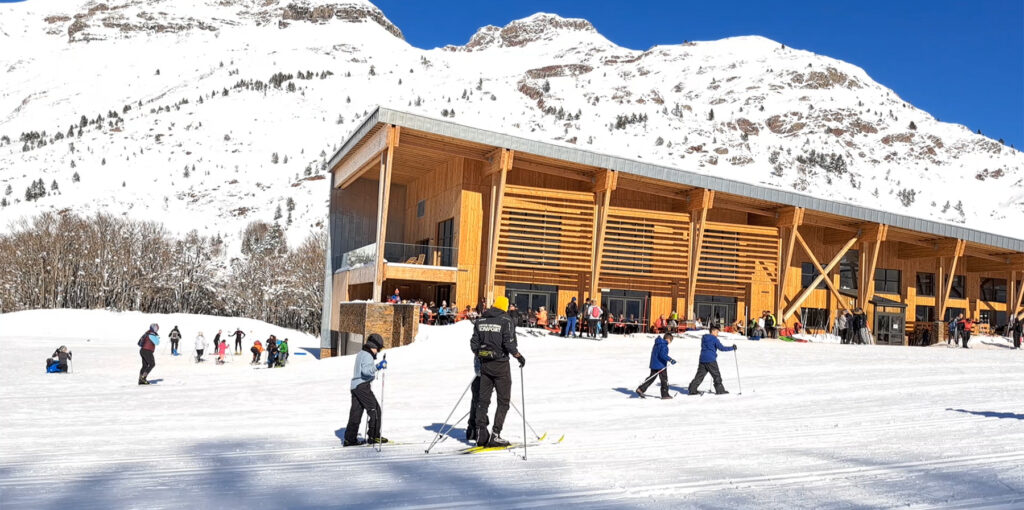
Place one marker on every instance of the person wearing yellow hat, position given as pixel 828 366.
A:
pixel 493 341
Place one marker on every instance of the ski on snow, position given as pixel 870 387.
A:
pixel 485 449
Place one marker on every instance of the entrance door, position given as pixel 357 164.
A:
pixel 526 300
pixel 889 328
pixel 715 310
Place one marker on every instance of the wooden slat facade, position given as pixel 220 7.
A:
pixel 658 237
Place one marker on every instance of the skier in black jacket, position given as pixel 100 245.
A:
pixel 239 335
pixel 493 341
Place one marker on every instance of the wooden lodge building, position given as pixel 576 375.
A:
pixel 444 211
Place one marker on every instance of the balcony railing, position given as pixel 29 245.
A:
pixel 400 253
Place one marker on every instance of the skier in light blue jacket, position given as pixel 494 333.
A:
pixel 363 373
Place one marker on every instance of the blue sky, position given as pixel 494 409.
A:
pixel 962 61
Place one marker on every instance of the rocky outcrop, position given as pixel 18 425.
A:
pixel 350 12
pixel 539 27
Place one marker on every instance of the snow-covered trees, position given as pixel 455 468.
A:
pixel 66 261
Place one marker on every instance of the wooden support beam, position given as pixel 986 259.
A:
pixel 940 302
pixel 359 161
pixel 788 221
pixel 383 198
pixel 577 175
pixel 958 251
pixel 602 200
pixel 504 159
pixel 606 181
pixel 935 248
pixel 1011 289
pixel 1019 293
pixel 828 278
pixel 700 200
pixel 821 276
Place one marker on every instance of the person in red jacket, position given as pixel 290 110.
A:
pixel 968 324
pixel 147 344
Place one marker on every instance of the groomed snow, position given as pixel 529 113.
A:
pixel 817 425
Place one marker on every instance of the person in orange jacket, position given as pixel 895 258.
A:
pixel 257 352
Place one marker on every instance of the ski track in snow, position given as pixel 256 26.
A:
pixel 817 426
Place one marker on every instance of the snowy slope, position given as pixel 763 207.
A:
pixel 782 117
pixel 817 426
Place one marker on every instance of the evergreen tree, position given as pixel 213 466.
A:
pixel 373 70
pixel 546 87
pixel 9 190
pixel 912 126
pixel 75 178
pixel 290 204
pixel 277 212
pixel 711 114
pixel 273 158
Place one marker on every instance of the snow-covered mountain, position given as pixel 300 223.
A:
pixel 209 114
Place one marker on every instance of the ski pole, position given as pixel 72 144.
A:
pixel 522 393
pixel 736 357
pixel 380 414
pixel 456 406
pixel 452 427
pixel 651 377
pixel 524 419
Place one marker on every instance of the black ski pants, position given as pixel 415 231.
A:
pixel 704 369
pixel 1016 340
pixel 238 345
pixel 363 399
pixel 147 362
pixel 592 327
pixel 475 389
pixel 663 377
pixel 174 345
pixel 494 376
pixel 966 337
pixel 255 355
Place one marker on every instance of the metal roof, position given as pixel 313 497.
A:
pixel 666 173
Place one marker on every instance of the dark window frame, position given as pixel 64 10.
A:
pixel 888 281
pixel 807 275
pixel 928 316
pixel 993 290
pixel 959 288
pixel 926 286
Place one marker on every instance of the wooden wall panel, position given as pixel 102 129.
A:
pixel 644 250
pixel 731 256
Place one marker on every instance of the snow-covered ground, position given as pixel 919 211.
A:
pixel 817 426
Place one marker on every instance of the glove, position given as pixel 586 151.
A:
pixel 522 361
pixel 672 361
pixel 382 365
pixel 734 347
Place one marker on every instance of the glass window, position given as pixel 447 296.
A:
pixel 924 313
pixel 993 289
pixel 925 284
pixel 807 275
pixel 814 318
pixel 848 270
pixel 959 289
pixel 887 281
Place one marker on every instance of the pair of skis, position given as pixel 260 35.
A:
pixel 512 446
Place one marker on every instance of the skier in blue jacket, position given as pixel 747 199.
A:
pixel 363 373
pixel 709 347
pixel 659 366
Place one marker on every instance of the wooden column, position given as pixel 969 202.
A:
pixel 603 186
pixel 699 201
pixel 939 285
pixel 788 221
pixel 501 163
pixel 383 197
pixel 1018 294
pixel 873 237
pixel 958 252
pixel 1011 289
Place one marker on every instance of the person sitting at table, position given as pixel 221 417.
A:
pixel 673 321
pixel 619 326
pixel 632 326
pixel 542 317
pixel 660 325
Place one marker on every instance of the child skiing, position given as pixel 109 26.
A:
pixel 147 344
pixel 239 335
pixel 200 346
pixel 363 373
pixel 222 351
pixel 175 336
pixel 659 366
pixel 709 347
pixel 257 352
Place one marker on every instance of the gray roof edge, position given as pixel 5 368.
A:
pixel 371 120
pixel 677 175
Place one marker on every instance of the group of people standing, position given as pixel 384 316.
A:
pixel 277 350
pixel 852 327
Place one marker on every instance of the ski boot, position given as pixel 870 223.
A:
pixel 352 443
pixel 497 441
pixel 471 434
pixel 377 440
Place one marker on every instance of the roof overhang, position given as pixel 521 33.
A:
pixel 405 120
